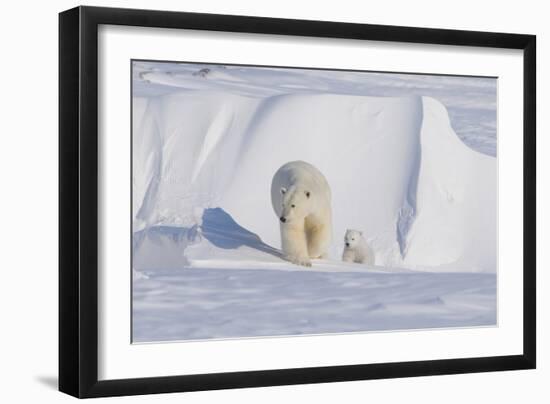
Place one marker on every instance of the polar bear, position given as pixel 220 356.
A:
pixel 357 249
pixel 301 199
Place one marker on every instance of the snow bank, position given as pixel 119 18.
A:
pixel 396 168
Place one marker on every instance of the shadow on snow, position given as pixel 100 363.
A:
pixel 218 227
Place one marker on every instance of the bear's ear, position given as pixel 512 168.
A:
pixel 283 190
pixel 307 194
pixel 360 233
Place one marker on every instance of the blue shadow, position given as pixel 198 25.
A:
pixel 223 231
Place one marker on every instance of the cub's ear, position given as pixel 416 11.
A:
pixel 283 190
pixel 307 194
pixel 360 233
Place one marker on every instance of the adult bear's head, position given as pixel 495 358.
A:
pixel 297 204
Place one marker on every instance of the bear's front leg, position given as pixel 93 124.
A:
pixel 348 255
pixel 294 244
pixel 318 239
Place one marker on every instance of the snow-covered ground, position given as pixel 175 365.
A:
pixel 231 284
pixel 206 143
pixel 226 303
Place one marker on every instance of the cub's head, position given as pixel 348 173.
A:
pixel 296 204
pixel 352 238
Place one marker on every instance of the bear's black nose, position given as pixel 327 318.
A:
pixel 347 244
pixel 283 219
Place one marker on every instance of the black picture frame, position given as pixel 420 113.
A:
pixel 78 201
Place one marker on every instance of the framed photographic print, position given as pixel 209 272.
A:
pixel 250 201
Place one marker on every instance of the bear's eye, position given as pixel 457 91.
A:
pixel 352 239
pixel 292 206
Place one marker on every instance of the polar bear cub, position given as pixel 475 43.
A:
pixel 356 248
pixel 301 199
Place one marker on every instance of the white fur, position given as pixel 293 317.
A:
pixel 356 248
pixel 301 195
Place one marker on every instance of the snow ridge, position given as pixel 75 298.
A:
pixel 396 168
pixel 149 150
pixel 407 213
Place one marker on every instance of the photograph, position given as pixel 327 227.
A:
pixel 250 201
pixel 273 201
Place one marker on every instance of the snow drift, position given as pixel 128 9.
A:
pixel 207 141
pixel 396 168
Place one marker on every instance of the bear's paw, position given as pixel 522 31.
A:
pixel 303 261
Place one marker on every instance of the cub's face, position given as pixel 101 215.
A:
pixel 352 238
pixel 296 205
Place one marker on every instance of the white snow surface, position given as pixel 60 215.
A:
pixel 206 256
pixel 222 303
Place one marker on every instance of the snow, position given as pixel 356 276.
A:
pixel 206 263
pixel 222 303
pixel 471 101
